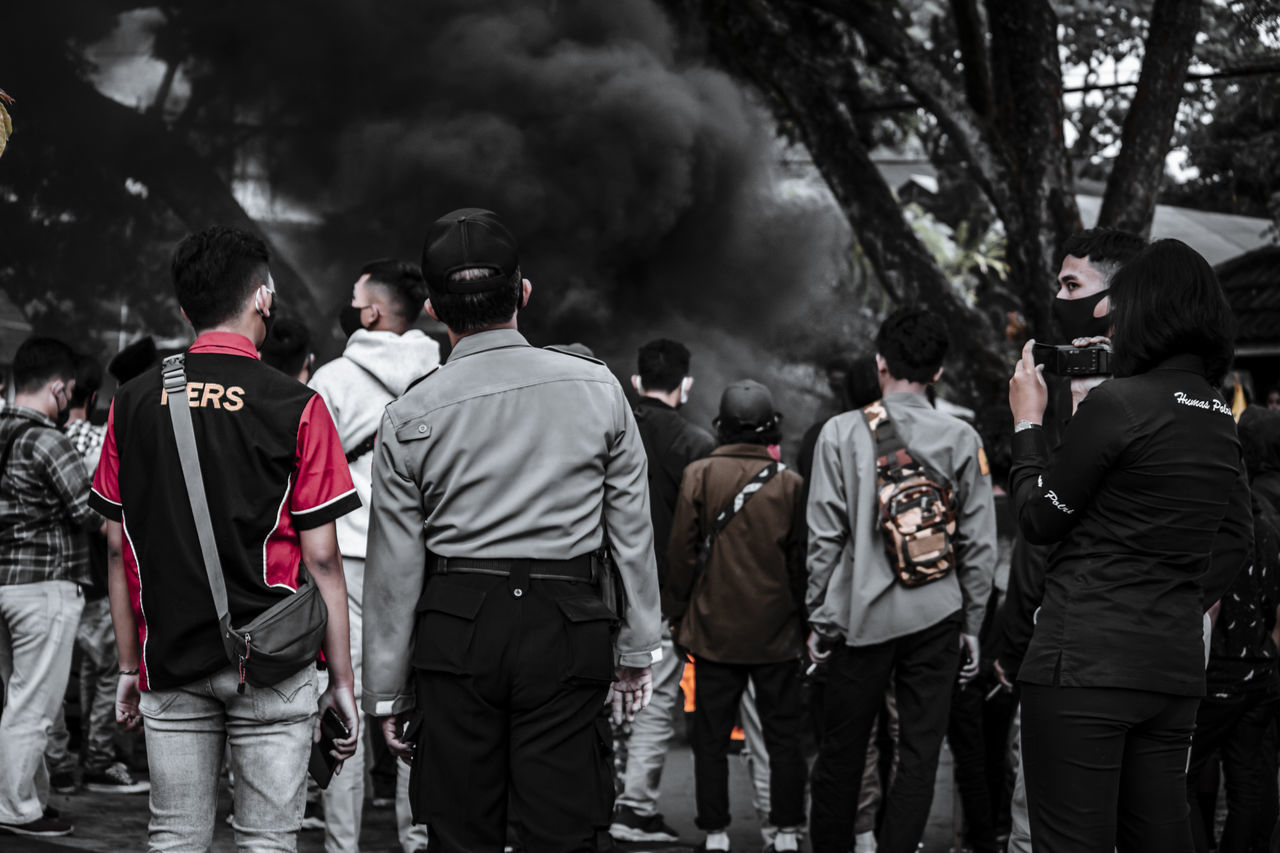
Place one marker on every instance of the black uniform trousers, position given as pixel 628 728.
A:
pixel 718 688
pixel 510 678
pixel 1242 727
pixel 1106 769
pixel 923 666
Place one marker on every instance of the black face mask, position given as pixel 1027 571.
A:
pixel 1074 318
pixel 63 416
pixel 349 320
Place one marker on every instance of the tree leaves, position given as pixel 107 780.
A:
pixel 6 121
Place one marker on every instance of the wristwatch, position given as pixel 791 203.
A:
pixel 1024 424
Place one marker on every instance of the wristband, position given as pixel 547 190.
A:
pixel 133 671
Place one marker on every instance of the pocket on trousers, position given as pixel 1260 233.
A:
pixel 153 703
pixel 589 625
pixel 292 698
pixel 446 626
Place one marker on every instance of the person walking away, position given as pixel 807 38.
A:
pixel 1147 502
pixel 736 590
pixel 870 625
pixel 275 476
pixel 490 508
pixel 44 506
pixel 381 359
pixel 288 349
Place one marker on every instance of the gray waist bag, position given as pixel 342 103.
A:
pixel 285 637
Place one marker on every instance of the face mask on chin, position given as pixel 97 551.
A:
pixel 1074 318
pixel 349 320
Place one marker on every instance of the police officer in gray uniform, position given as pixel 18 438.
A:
pixel 497 480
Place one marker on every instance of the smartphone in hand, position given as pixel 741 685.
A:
pixel 322 763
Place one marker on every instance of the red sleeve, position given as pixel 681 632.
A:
pixel 322 489
pixel 105 494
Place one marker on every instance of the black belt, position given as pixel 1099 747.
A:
pixel 583 569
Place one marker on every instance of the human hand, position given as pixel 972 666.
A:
pixel 815 645
pixel 128 716
pixel 394 730
pixel 969 663
pixel 1002 676
pixel 342 700
pixel 630 693
pixel 1028 394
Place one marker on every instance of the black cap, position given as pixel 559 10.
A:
pixel 464 239
pixel 135 359
pixel 747 403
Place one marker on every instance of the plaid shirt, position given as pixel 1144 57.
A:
pixel 87 439
pixel 44 501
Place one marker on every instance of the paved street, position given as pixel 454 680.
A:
pixel 117 824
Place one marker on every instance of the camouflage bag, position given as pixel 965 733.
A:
pixel 917 512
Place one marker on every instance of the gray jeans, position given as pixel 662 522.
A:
pixel 269 730
pixel 98 677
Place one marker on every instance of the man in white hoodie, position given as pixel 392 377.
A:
pixel 383 356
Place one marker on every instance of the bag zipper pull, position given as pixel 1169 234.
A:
pixel 248 650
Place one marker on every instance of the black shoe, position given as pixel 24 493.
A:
pixel 43 828
pixel 629 826
pixel 63 782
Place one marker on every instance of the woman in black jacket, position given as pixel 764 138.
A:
pixel 1147 505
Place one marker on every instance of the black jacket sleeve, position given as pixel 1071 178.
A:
pixel 1016 617
pixel 1233 544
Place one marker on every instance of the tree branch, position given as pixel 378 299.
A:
pixel 973 53
pixel 1136 175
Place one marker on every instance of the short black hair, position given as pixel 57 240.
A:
pixel 1168 301
pixel 1107 249
pixel 861 382
pixel 287 346
pixel 88 380
pixel 662 364
pixel 1259 430
pixel 466 312
pixel 40 359
pixel 403 282
pixel 913 342
pixel 215 271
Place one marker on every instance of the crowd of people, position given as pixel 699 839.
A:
pixel 497 570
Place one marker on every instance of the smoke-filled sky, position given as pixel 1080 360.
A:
pixel 644 186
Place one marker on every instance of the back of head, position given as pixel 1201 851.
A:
pixel 662 364
pixel 913 342
pixel 1259 431
pixel 39 360
pixel 861 386
pixel 134 360
pixel 1167 301
pixel 472 270
pixel 747 415
pixel 287 346
pixel 88 381
pixel 402 284
pixel 215 272
pixel 1107 249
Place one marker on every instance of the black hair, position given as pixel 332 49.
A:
pixel 1259 431
pixel 732 432
pixel 467 312
pixel 1107 249
pixel 402 281
pixel 287 346
pixel 913 342
pixel 662 364
pixel 861 382
pixel 215 271
pixel 1165 302
pixel 88 380
pixel 40 359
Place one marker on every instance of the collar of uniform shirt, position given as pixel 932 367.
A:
pixel 485 341
pixel 224 343
pixel 1183 361
pixel 908 398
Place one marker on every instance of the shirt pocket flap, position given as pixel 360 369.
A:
pixel 412 430
pixel 455 600
pixel 585 609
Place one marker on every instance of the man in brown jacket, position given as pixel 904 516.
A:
pixel 737 609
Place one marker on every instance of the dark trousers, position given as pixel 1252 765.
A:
pixel 923 666
pixel 1106 769
pixel 1241 727
pixel 510 678
pixel 718 690
pixel 977 780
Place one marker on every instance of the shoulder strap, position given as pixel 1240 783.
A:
pixel 174 375
pixel 885 434
pixel 726 515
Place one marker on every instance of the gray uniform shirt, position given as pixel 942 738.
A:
pixel 852 589
pixel 506 451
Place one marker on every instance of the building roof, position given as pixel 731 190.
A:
pixel 1252 285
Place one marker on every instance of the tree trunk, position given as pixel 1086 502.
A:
pixel 1136 175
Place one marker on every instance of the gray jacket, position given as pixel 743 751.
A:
pixel 506 451
pixel 852 589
